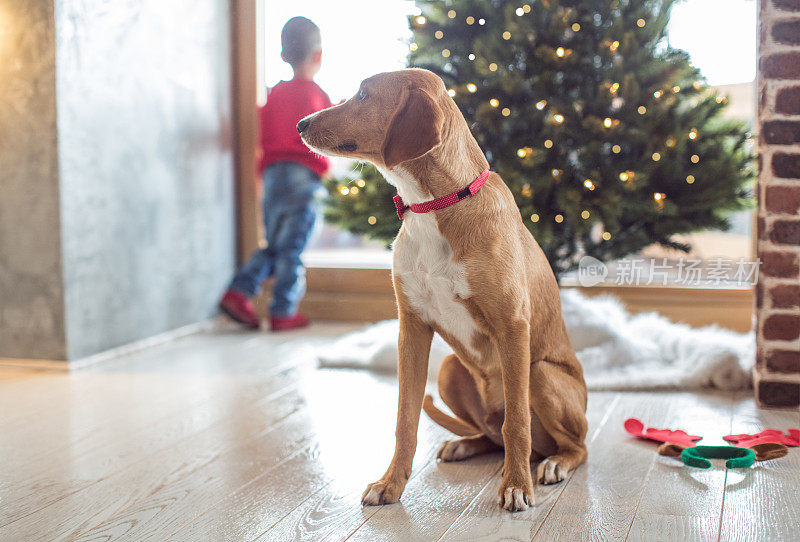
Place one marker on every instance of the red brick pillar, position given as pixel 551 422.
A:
pixel 777 374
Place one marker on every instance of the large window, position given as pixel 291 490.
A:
pixel 720 37
pixel 363 37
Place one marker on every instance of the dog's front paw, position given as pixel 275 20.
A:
pixel 516 497
pixel 382 492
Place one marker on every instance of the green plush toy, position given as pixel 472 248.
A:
pixel 694 458
pixel 737 458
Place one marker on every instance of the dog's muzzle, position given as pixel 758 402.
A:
pixel 347 146
pixel 302 125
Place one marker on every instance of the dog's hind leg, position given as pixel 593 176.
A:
pixel 458 391
pixel 559 401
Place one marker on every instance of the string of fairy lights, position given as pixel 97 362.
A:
pixel 609 123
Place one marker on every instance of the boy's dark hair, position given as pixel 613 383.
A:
pixel 299 38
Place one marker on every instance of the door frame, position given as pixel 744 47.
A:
pixel 245 58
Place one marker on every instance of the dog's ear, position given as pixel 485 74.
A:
pixel 415 129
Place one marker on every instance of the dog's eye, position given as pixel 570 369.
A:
pixel 361 95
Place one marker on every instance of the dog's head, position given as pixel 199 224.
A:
pixel 394 117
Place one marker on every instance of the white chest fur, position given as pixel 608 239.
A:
pixel 431 280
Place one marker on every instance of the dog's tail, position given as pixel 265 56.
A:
pixel 454 425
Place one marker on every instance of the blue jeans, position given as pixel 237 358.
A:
pixel 292 204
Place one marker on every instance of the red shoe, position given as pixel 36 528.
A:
pixel 284 323
pixel 237 306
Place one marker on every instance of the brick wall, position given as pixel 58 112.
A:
pixel 777 374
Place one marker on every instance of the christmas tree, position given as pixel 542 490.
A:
pixel 609 139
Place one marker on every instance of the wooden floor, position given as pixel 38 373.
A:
pixel 238 436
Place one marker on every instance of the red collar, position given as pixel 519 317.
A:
pixel 444 201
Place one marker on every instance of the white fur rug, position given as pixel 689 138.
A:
pixel 619 351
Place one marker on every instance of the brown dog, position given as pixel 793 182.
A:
pixel 473 273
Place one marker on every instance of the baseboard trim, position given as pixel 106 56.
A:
pixel 367 295
pixel 106 355
pixel 34 364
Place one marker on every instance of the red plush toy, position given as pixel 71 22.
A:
pixel 636 428
pixel 792 438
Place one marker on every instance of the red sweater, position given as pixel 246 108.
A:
pixel 287 103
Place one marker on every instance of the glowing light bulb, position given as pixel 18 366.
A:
pixel 446 53
pixel 616 149
pixel 470 20
pixel 353 190
pixel 451 92
pixel 344 190
pixel 506 35
pixel 606 236
pixel 481 22
pixel 521 153
pixel 526 8
pixel 614 45
pixel 540 104
pixel 505 111
pixel 657 94
pixel 472 87
pixel 558 119
pixel 494 102
pixel 559 218
pixel 607 122
pixel 693 133
pixel 584 214
pixel 588 184
pixel 361 183
pixel 614 88
pixel 676 88
pixel 670 142
pixel 695 158
pixel 658 196
pixel 372 220
pixel 534 217
pixel 421 20
pixel 560 52
pixel 451 14
pixel 656 157
pixel 690 179
pixel 575 27
pixel 492 67
pixel 556 172
pixel 547 143
pixel 624 176
pixel 413 46
pixel 471 56
pixel 642 110
pixel 640 23
pixel 520 12
pixel 438 34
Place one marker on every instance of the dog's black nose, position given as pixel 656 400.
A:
pixel 302 125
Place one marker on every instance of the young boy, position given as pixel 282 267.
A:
pixel 292 186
